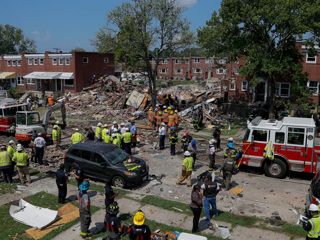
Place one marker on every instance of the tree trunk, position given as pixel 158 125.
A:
pixel 272 88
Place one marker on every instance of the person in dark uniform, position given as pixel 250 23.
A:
pixel 84 209
pixel 113 224
pixel 61 180
pixel 139 230
pixel 110 195
pixel 78 174
pixel 90 134
pixel 216 135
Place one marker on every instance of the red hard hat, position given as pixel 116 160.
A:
pixel 186 133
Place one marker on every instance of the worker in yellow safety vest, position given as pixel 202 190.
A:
pixel 105 128
pixel 108 138
pixel 55 136
pixel 6 164
pixel 99 132
pixel 76 137
pixel 115 140
pixel 10 148
pixel 312 226
pixel 127 137
pixel 186 169
pixel 22 162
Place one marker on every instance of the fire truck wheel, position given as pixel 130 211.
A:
pixel 275 169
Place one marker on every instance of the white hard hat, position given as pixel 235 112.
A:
pixel 230 139
pixel 11 142
pixel 19 148
pixel 187 153
pixel 212 141
pixel 122 124
pixel 39 134
pixel 127 129
pixel 313 208
pixel 113 135
pixel 107 131
pixel 114 122
pixel 163 123
pixel 99 124
pixel 57 122
pixel 106 125
pixel 55 126
pixel 19 145
pixel 77 130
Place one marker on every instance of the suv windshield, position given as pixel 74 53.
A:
pixel 116 156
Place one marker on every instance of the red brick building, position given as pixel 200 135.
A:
pixel 57 72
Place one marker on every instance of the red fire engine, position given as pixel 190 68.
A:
pixel 296 147
pixel 8 110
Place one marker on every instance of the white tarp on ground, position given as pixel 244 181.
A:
pixel 31 215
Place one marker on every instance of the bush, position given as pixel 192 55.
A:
pixel 13 92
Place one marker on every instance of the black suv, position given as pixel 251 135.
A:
pixel 108 163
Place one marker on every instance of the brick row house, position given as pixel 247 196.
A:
pixel 233 85
pixel 56 72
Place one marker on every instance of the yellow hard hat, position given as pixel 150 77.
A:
pixel 171 112
pixel 150 109
pixel 166 111
pixel 169 108
pixel 176 111
pixel 159 113
pixel 139 218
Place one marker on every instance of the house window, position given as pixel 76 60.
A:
pixel 283 90
pixel 41 61
pixel 207 60
pixel 105 60
pixel 244 86
pixel 197 70
pixel 68 82
pixel 221 71
pixel 311 59
pixel 60 61
pixel 222 61
pixel 164 61
pixel 8 63
pixel 236 71
pixel 313 86
pixel 187 61
pixel 20 81
pixel 236 61
pixel 85 60
pixel 18 63
pixel 163 70
pixel 13 63
pixel 54 61
pixel 67 61
pixel 35 61
pixel 178 61
pixel 29 61
pixel 178 71
pixel 31 81
pixel 232 85
pixel 197 60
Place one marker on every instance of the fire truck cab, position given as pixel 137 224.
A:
pixel 296 147
pixel 8 110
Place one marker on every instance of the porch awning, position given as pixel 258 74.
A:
pixel 43 75
pixel 66 75
pixel 7 75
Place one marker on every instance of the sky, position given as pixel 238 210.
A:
pixel 67 24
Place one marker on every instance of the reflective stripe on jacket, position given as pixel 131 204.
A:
pixel 171 121
pixel 21 159
pixel 54 134
pixel 98 132
pixel 127 137
pixel 315 230
pixel 76 138
pixel 188 162
pixel 108 139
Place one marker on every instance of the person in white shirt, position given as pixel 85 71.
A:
pixel 39 145
pixel 123 129
pixel 115 128
pixel 162 135
pixel 212 154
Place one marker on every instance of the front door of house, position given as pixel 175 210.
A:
pixel 38 84
pixel 59 85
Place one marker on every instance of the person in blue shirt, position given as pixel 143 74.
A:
pixel 133 131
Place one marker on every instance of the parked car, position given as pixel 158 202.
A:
pixel 108 163
pixel 313 195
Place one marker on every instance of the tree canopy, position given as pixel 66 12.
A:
pixel 77 49
pixel 13 41
pixel 135 27
pixel 264 34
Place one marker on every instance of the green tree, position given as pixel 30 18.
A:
pixel 77 49
pixel 135 27
pixel 264 34
pixel 13 41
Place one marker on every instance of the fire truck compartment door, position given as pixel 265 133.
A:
pixel 296 149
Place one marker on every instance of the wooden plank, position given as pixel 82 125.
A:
pixel 144 102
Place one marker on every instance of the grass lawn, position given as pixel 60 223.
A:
pixel 11 228
pixel 7 187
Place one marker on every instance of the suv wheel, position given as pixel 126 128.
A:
pixel 119 182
